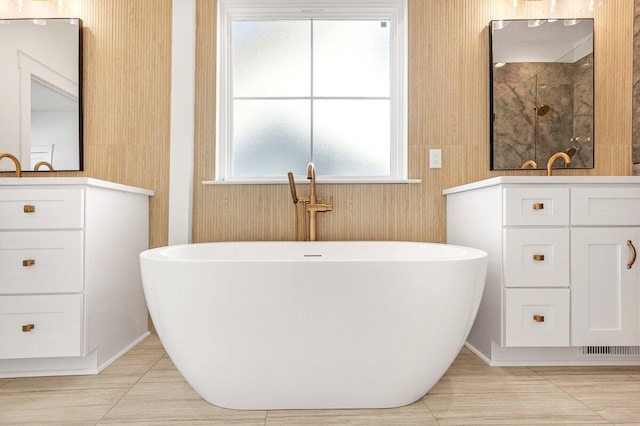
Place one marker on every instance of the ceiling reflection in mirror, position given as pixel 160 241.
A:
pixel 41 92
pixel 542 93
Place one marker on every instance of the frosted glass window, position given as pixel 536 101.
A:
pixel 351 58
pixel 271 137
pixel 351 137
pixel 271 58
pixel 323 84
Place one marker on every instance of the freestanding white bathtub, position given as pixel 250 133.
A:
pixel 299 325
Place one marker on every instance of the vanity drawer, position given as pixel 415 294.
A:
pixel 40 209
pixel 536 317
pixel 41 262
pixel 605 206
pixel 536 206
pixel 536 257
pixel 41 326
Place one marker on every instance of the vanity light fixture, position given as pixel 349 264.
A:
pixel 499 64
pixel 570 22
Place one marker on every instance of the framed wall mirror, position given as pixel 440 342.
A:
pixel 41 92
pixel 542 92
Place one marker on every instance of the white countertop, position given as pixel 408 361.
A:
pixel 67 181
pixel 537 180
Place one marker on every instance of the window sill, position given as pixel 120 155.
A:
pixel 319 181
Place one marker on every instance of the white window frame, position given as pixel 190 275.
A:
pixel 393 10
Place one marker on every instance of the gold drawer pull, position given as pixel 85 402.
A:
pixel 538 318
pixel 538 257
pixel 28 262
pixel 633 254
pixel 538 206
pixel 28 327
pixel 29 209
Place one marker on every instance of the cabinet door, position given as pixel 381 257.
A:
pixel 604 301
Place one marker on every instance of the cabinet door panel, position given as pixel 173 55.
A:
pixel 603 291
pixel 605 206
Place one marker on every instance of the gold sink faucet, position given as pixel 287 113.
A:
pixel 529 163
pixel 554 157
pixel 313 208
pixel 15 161
pixel 43 163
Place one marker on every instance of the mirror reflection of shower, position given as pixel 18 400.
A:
pixel 542 92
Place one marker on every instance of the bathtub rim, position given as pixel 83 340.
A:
pixel 469 253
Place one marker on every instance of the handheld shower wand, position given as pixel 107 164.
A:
pixel 292 186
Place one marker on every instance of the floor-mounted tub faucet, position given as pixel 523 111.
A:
pixel 313 207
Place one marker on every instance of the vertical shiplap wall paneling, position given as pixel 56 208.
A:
pixel 448 109
pixel 127 98
pixel 130 99
pixel 614 96
pixel 636 89
pixel 127 69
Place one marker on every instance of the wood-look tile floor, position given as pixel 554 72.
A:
pixel 144 388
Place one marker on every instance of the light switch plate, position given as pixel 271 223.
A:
pixel 435 158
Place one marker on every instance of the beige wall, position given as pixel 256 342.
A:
pixel 636 89
pixel 127 88
pixel 127 77
pixel 448 104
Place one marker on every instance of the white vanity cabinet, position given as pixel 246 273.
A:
pixel 605 287
pixel 560 276
pixel 71 299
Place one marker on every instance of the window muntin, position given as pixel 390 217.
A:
pixel 323 89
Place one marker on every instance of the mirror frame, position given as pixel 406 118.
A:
pixel 80 97
pixel 492 147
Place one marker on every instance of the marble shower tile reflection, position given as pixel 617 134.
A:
pixel 521 134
